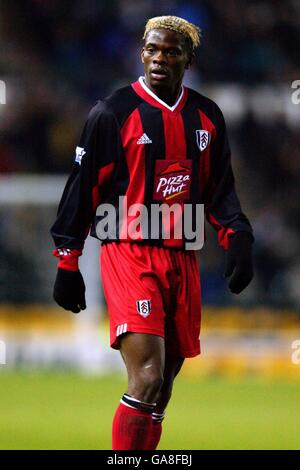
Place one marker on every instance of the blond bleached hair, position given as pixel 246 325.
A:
pixel 174 23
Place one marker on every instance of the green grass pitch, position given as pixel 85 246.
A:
pixel 52 410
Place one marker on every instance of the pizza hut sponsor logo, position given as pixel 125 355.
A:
pixel 172 180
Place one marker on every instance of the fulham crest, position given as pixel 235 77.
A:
pixel 203 139
pixel 143 307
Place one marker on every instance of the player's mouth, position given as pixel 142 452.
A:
pixel 159 74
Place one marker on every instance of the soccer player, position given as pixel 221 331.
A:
pixel 142 143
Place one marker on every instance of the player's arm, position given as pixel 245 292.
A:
pixel 224 212
pixel 92 171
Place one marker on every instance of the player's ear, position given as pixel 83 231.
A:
pixel 142 55
pixel 190 60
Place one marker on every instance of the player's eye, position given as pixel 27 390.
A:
pixel 173 52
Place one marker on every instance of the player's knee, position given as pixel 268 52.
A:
pixel 151 382
pixel 147 385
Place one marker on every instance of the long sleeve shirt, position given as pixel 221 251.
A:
pixel 137 148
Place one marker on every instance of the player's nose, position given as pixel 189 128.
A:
pixel 159 58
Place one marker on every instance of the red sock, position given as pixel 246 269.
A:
pixel 131 429
pixel 154 439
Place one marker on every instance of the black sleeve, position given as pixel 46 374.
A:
pixel 224 211
pixel 94 162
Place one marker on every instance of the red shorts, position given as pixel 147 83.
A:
pixel 153 290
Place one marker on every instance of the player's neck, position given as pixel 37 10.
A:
pixel 168 96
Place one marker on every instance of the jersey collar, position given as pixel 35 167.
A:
pixel 144 92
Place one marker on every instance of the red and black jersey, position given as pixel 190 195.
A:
pixel 131 142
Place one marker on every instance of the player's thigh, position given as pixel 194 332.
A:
pixel 142 351
pixel 173 366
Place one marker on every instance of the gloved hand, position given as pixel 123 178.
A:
pixel 239 262
pixel 69 290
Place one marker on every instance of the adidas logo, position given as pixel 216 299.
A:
pixel 64 251
pixel 144 140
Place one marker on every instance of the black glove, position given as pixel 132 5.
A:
pixel 239 262
pixel 69 290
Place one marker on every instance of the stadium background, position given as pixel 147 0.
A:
pixel 61 382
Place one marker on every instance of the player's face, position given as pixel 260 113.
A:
pixel 165 58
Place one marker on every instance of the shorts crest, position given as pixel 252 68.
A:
pixel 143 307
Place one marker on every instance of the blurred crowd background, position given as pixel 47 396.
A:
pixel 58 57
